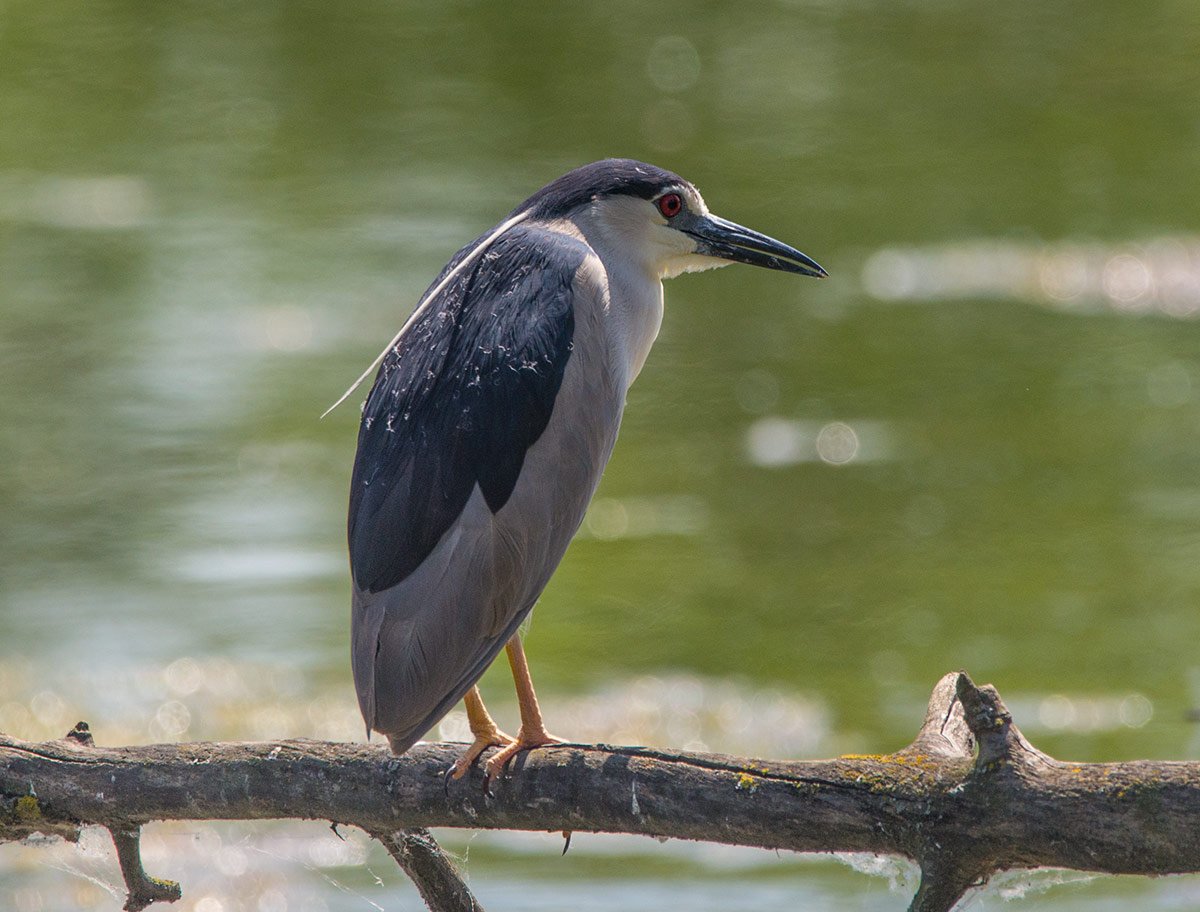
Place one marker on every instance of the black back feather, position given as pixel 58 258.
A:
pixel 460 399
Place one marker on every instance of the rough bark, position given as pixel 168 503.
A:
pixel 969 797
pixel 440 884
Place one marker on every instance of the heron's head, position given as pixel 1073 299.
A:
pixel 658 219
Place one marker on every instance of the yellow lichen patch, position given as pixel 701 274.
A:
pixel 917 760
pixel 27 810
pixel 875 783
pixel 747 782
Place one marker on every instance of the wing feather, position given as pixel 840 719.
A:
pixel 455 407
pixel 459 400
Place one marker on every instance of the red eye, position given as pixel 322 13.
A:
pixel 670 204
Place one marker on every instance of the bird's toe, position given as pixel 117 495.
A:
pixel 481 743
pixel 496 763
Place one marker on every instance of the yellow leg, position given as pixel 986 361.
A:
pixel 486 733
pixel 533 731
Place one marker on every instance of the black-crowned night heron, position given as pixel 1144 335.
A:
pixel 493 414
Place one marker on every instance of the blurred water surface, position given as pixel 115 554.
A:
pixel 977 445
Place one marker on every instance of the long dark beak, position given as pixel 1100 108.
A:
pixel 717 237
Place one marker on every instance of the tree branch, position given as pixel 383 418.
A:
pixel 437 879
pixel 143 889
pixel 969 797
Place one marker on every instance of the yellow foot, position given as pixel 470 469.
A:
pixel 483 740
pixel 495 765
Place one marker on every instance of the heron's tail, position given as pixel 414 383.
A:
pixel 401 743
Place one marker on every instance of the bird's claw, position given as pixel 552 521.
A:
pixel 523 742
pixel 483 740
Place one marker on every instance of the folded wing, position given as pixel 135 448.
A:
pixel 455 408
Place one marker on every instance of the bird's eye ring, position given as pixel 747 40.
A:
pixel 670 204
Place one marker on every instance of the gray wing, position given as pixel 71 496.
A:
pixel 445 563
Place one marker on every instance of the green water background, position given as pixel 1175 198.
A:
pixel 212 216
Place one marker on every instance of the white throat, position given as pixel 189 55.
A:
pixel 625 290
pixel 636 250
